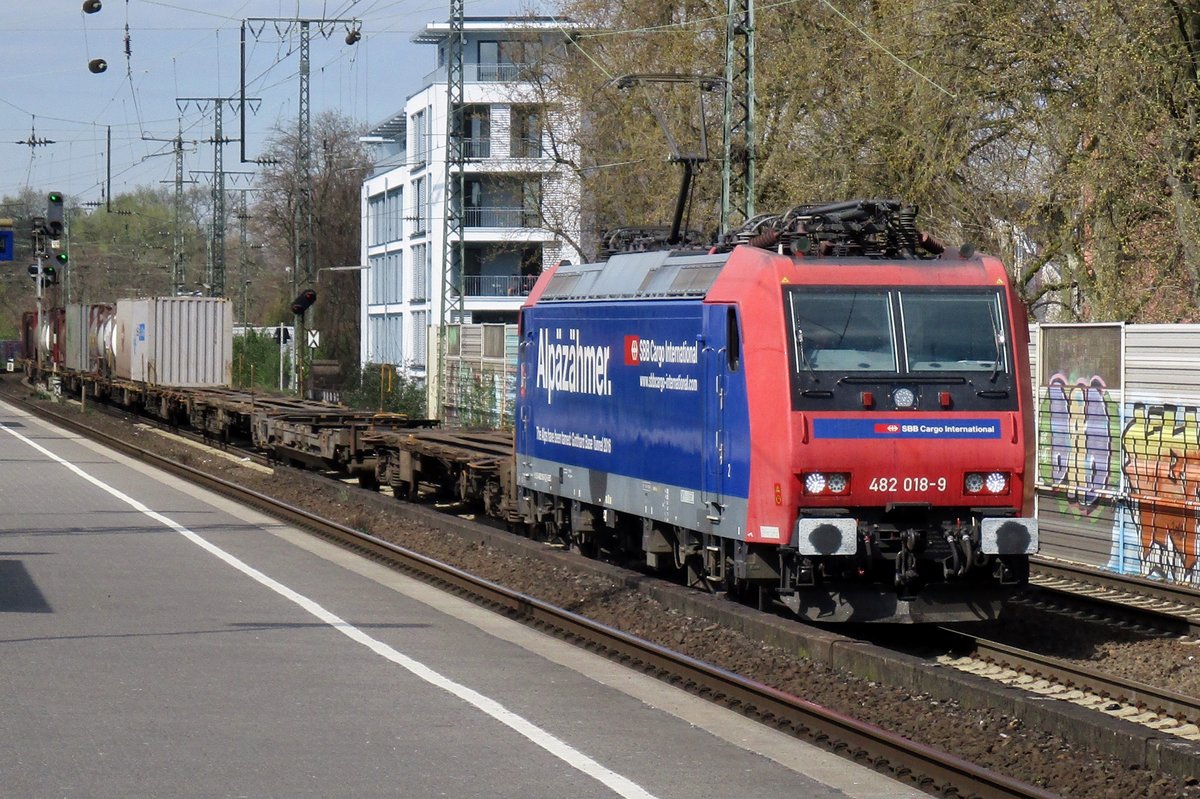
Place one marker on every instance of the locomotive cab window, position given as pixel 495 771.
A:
pixel 843 331
pixel 962 332
pixel 950 347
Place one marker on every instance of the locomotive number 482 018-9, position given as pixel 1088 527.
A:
pixel 888 484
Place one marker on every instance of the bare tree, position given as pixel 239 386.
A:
pixel 339 165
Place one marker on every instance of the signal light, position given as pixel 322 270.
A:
pixel 62 258
pixel 97 65
pixel 49 275
pixel 91 6
pixel 33 270
pixel 303 300
pixel 54 214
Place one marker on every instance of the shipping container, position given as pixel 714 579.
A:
pixel 175 341
pixel 88 337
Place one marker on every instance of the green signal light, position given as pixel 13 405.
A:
pixel 55 197
pixel 61 258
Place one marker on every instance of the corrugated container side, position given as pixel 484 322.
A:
pixel 75 355
pixel 194 345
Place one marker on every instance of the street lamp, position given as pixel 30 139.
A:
pixel 355 268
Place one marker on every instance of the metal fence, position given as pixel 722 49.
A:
pixel 1118 449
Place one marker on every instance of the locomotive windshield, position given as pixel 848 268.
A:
pixel 844 339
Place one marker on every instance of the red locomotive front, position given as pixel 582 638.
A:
pixel 891 437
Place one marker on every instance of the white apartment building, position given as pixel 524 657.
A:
pixel 511 191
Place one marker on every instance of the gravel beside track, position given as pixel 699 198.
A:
pixel 986 737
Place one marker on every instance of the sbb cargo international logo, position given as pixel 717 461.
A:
pixel 633 351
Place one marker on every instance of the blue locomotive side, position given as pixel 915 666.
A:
pixel 628 406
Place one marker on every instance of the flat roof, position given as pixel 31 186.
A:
pixel 436 32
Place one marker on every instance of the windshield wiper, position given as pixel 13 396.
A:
pixel 804 356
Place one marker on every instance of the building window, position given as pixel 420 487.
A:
pixel 420 209
pixel 420 338
pixel 387 338
pixel 377 219
pixel 506 60
pixel 395 215
pixel 477 131
pixel 525 134
pixel 531 202
pixel 508 201
pixel 420 273
pixel 420 133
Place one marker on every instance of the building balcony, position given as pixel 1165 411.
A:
pixel 500 217
pixel 498 285
pixel 484 73
pixel 477 148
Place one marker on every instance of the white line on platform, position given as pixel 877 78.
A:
pixel 560 749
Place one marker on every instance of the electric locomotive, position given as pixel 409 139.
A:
pixel 828 412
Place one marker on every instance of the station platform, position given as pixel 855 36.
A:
pixel 158 640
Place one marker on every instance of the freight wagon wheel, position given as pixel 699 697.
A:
pixel 404 491
pixel 368 481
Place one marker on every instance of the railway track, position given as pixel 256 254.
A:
pixel 1171 608
pixel 934 770
pixel 1160 709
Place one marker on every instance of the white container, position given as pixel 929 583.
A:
pixel 174 341
pixel 75 350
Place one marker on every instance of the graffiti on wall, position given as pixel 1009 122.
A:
pixel 1161 464
pixel 1079 424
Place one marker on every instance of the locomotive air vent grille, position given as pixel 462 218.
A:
pixel 694 280
pixel 561 285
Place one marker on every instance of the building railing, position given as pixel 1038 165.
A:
pixel 498 285
pixel 484 73
pixel 477 148
pixel 500 217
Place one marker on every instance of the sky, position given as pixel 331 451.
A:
pixel 159 51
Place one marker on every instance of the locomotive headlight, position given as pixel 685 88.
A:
pixel 904 398
pixel 992 483
pixel 826 483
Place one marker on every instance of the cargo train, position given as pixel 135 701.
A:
pixel 182 342
pixel 827 413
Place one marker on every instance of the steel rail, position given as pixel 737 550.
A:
pixel 928 768
pixel 1159 700
pixel 1172 607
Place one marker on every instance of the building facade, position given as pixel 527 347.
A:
pixel 519 212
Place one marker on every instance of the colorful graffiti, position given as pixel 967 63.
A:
pixel 1079 428
pixel 1161 464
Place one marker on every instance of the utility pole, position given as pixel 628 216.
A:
pixel 178 279
pixel 216 269
pixel 738 167
pixel 302 271
pixel 451 304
